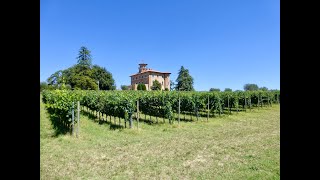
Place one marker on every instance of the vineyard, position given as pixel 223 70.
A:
pixel 162 105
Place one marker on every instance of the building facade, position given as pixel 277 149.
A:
pixel 146 76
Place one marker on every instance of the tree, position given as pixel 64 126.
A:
pixel 43 86
pixel 184 80
pixel 106 81
pixel 82 75
pixel 84 57
pixel 264 88
pixel 141 87
pixel 250 87
pixel 172 85
pixel 215 89
pixel 84 83
pixel 156 85
pixel 124 87
pixel 55 78
pixel 77 75
pixel 227 90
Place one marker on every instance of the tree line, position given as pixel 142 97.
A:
pixel 85 76
pixel 81 76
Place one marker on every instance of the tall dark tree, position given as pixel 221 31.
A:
pixel 250 87
pixel 84 57
pixel 184 80
pixel 215 89
pixel 106 81
pixel 156 85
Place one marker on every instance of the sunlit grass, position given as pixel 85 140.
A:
pixel 244 145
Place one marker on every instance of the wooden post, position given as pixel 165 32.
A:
pixel 162 106
pixel 179 111
pixel 157 118
pixel 72 118
pixel 138 113
pixel 245 104
pixel 237 105
pixel 78 119
pixel 130 122
pixel 229 106
pixel 208 109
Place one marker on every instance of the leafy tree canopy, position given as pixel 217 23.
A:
pixel 141 87
pixel 215 89
pixel 250 87
pixel 264 88
pixel 156 85
pixel 184 80
pixel 83 75
pixel 124 87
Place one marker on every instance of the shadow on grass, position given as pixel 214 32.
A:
pixel 59 126
pixel 112 125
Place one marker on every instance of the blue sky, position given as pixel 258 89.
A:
pixel 223 43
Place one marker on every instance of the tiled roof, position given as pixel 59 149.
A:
pixel 151 71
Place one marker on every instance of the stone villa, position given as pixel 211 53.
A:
pixel 147 76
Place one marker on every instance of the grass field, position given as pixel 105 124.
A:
pixel 238 146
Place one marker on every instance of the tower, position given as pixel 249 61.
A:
pixel 142 67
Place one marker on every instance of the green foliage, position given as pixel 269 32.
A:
pixel 82 75
pixel 84 83
pixel 250 87
pixel 166 89
pixel 55 78
pixel 263 89
pixel 156 85
pixel 106 81
pixel 214 89
pixel 124 87
pixel 43 86
pixel 84 58
pixel 184 80
pixel 141 87
pixel 227 90
pixel 154 103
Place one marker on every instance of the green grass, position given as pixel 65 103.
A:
pixel 238 146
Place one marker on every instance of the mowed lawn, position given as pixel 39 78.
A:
pixel 238 146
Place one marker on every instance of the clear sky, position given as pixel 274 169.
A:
pixel 223 43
